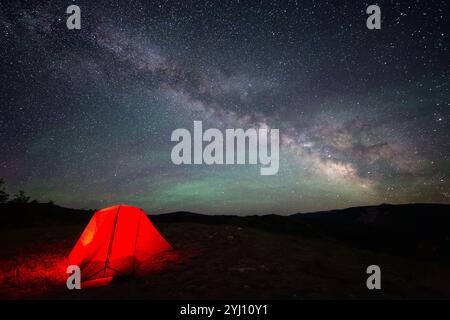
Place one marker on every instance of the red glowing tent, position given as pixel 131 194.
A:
pixel 116 240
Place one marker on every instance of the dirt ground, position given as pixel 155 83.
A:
pixel 219 262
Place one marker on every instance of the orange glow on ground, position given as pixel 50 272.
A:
pixel 32 275
pixel 42 274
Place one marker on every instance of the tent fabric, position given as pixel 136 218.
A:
pixel 115 241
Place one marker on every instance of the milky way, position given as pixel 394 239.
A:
pixel 86 115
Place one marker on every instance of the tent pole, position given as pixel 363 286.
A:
pixel 135 241
pixel 111 242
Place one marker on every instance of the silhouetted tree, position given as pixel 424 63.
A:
pixel 3 195
pixel 20 198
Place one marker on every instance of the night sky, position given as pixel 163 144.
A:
pixel 86 115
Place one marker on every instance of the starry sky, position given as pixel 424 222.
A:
pixel 86 115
